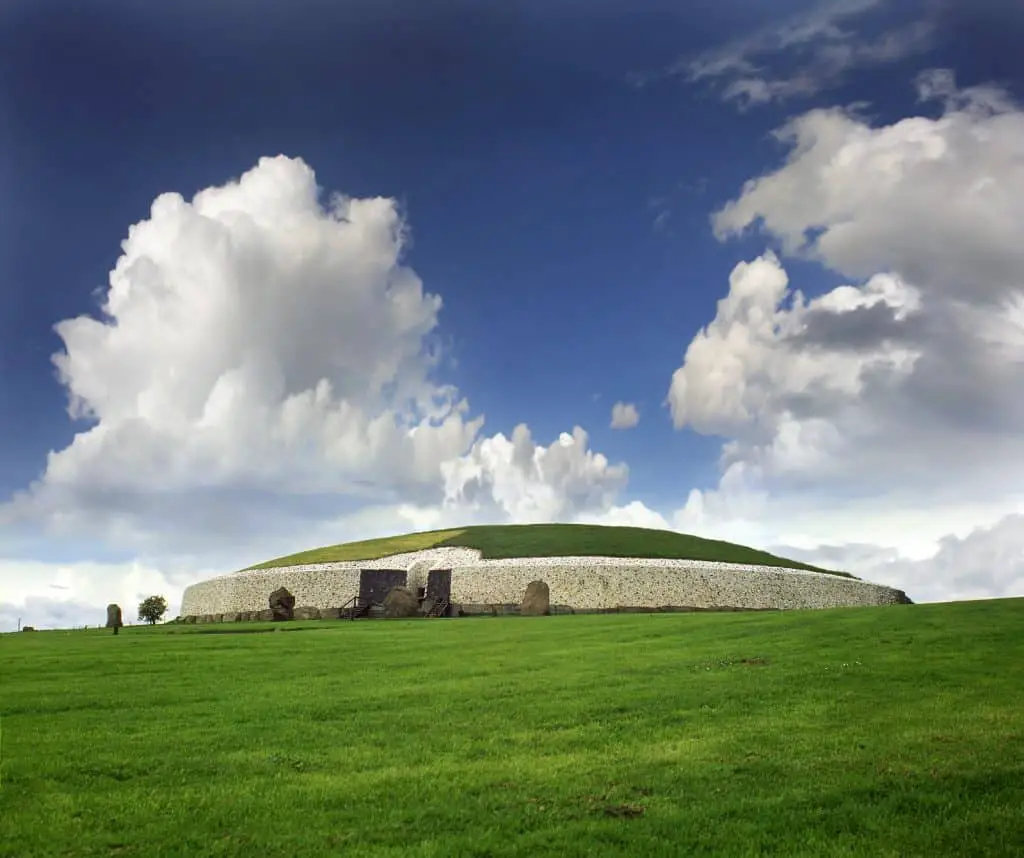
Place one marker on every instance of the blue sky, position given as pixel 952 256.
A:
pixel 558 168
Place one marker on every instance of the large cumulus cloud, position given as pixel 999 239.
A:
pixel 256 336
pixel 262 375
pixel 529 483
pixel 898 396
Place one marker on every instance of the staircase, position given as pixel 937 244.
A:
pixel 355 609
pixel 440 608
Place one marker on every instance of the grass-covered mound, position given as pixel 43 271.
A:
pixel 885 731
pixel 548 540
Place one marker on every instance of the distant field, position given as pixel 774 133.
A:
pixel 548 540
pixel 894 731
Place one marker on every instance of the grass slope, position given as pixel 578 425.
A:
pixel 548 540
pixel 893 731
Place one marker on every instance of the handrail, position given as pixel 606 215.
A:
pixel 354 603
pixel 357 607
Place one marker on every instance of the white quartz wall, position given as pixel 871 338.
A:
pixel 581 582
pixel 593 583
pixel 322 588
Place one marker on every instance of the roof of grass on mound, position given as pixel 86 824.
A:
pixel 548 540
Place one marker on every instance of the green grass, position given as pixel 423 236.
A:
pixel 548 540
pixel 894 731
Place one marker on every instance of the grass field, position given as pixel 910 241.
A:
pixel 548 540
pixel 895 731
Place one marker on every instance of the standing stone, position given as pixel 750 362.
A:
pixel 537 600
pixel 400 602
pixel 113 617
pixel 282 604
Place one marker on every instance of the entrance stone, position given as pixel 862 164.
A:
pixel 400 602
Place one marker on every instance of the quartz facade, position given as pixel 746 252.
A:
pixel 584 583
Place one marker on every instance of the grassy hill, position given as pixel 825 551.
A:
pixel 548 540
pixel 892 731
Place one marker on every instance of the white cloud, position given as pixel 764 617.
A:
pixel 818 25
pixel 632 514
pixel 524 482
pixel 824 53
pixel 987 563
pixel 918 364
pixel 888 412
pixel 624 415
pixel 253 336
pixel 937 200
pixel 55 595
pixel 789 407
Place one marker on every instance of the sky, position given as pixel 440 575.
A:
pixel 278 276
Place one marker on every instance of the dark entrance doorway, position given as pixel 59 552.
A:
pixel 439 586
pixel 375 583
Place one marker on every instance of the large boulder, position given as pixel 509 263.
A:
pixel 282 604
pixel 400 602
pixel 113 617
pixel 307 612
pixel 536 600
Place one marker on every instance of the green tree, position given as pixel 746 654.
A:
pixel 152 609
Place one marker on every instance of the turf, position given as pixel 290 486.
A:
pixel 893 731
pixel 548 540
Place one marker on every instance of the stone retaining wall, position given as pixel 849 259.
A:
pixel 583 583
pixel 635 583
pixel 323 588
